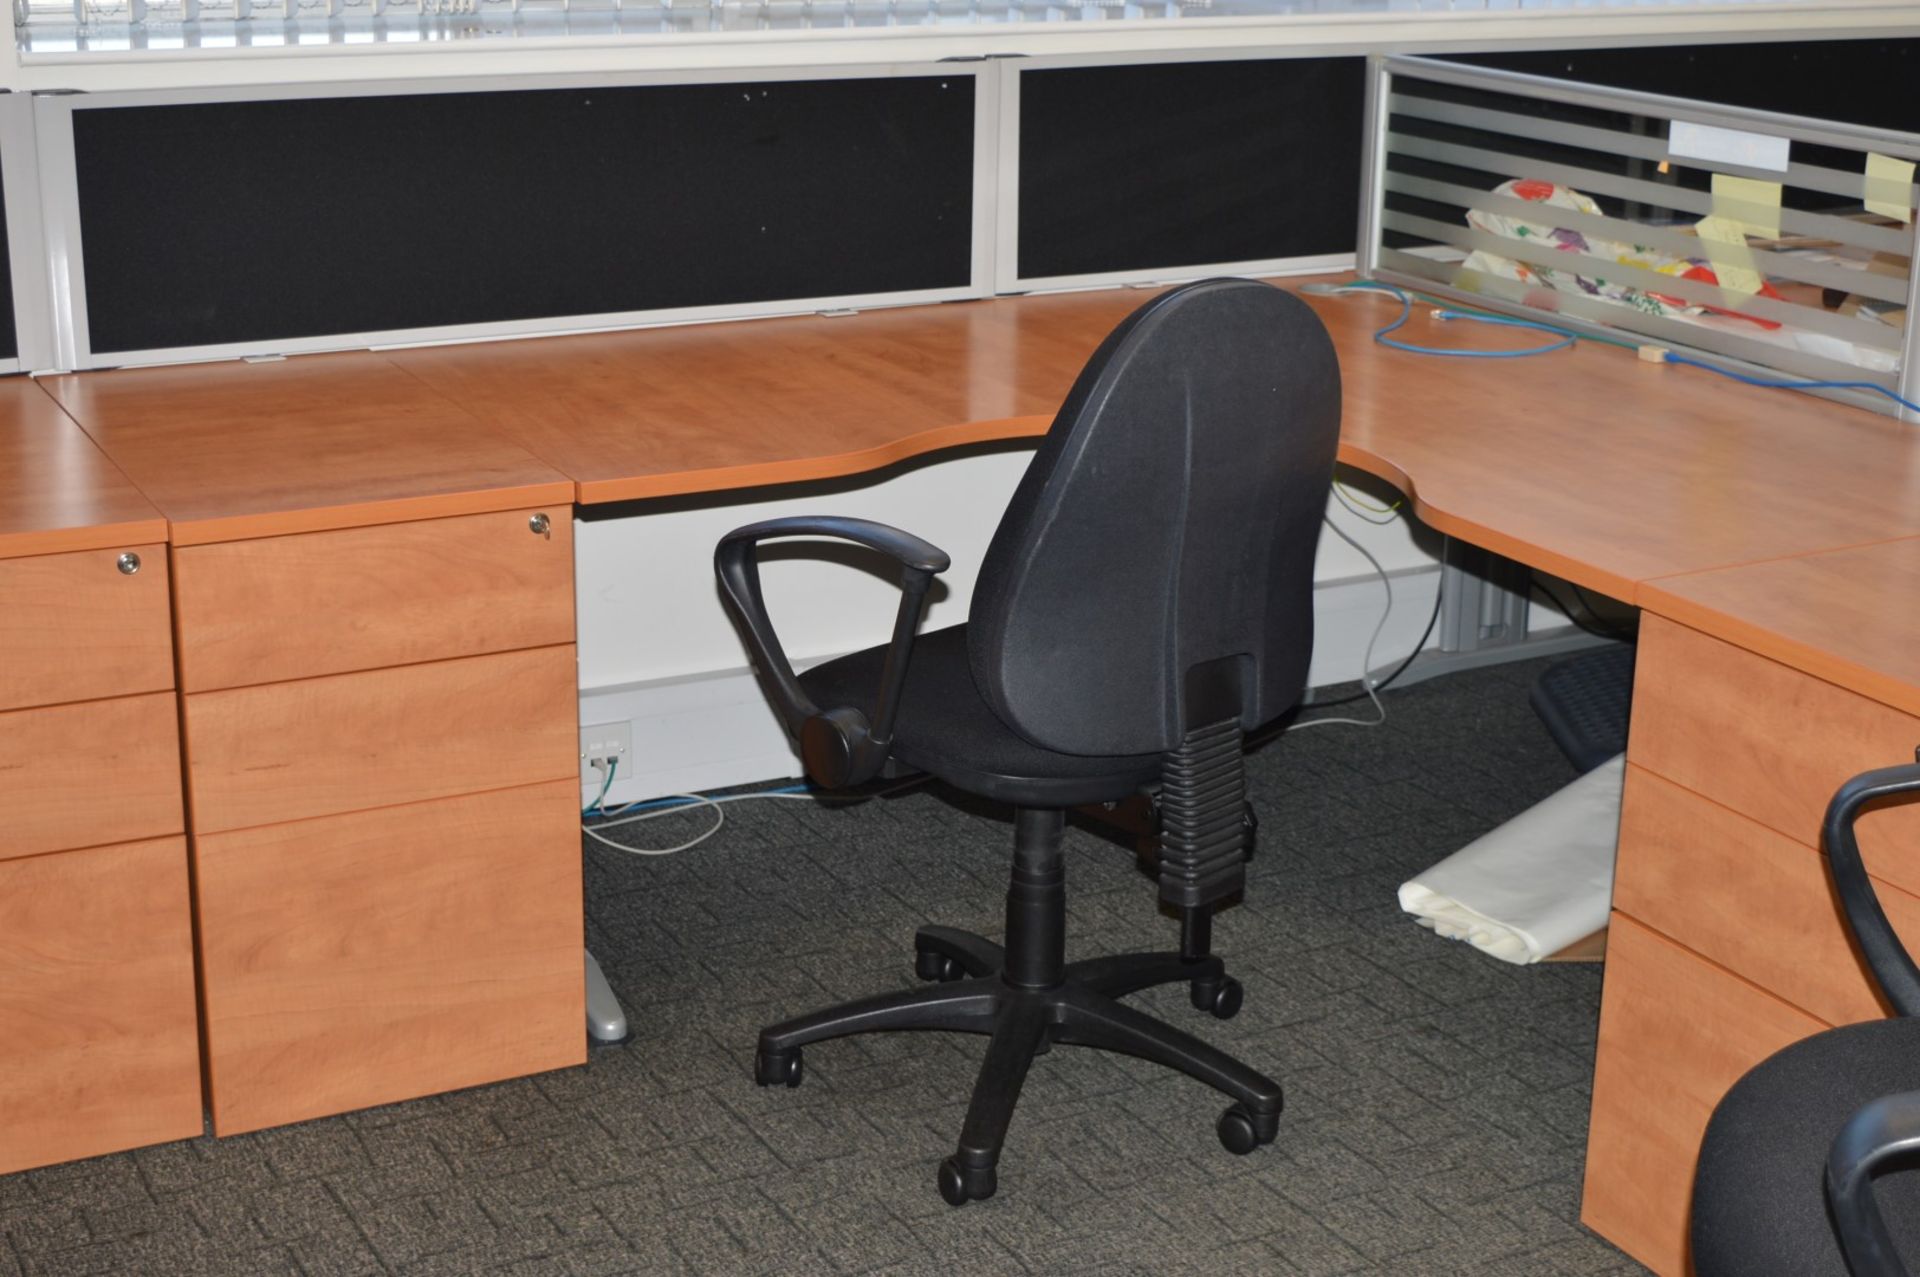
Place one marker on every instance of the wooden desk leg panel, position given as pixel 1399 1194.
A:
pixel 1675 1033
pixel 99 1042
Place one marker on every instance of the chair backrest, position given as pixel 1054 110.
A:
pixel 1155 566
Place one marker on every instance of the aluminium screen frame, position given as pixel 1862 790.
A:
pixel 60 270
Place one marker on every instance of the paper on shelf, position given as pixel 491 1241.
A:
pixel 1889 187
pixel 1725 242
pixel 1689 141
pixel 1752 203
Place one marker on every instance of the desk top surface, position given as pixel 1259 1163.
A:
pixel 1847 616
pixel 235 450
pixel 57 491
pixel 1587 463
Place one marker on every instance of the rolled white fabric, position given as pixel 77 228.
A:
pixel 1537 883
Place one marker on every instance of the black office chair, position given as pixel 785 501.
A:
pixel 1145 600
pixel 1848 1099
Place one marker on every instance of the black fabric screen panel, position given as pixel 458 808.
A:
pixel 1187 163
pixel 1854 81
pixel 258 221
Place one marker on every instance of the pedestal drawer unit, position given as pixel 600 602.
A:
pixel 99 1048
pixel 1727 937
pixel 383 757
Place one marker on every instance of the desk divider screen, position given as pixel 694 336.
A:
pixel 1769 243
pixel 278 221
pixel 1174 168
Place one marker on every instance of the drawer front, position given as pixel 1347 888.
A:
pixel 1751 899
pixel 349 742
pixel 88 774
pixel 1675 1033
pixel 99 1042
pixel 358 960
pixel 75 627
pixel 328 602
pixel 1768 741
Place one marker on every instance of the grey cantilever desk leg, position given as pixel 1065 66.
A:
pixel 606 1019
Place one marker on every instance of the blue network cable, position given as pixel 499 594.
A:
pixel 1770 383
pixel 1568 338
pixel 1385 335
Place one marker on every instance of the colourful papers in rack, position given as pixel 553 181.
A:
pixel 1725 242
pixel 1749 202
pixel 1889 187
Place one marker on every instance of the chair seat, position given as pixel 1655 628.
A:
pixel 1759 1197
pixel 945 727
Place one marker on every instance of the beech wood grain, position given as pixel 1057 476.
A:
pixel 89 773
pixel 58 492
pixel 276 608
pixel 1769 742
pixel 234 450
pixel 1846 616
pixel 1676 1032
pixel 367 958
pixel 99 1039
pixel 349 742
pixel 1753 900
pixel 74 627
pixel 1587 463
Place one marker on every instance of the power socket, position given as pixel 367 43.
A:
pixel 604 742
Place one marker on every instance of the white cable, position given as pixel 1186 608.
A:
pixel 719 819
pixel 1366 659
pixel 719 815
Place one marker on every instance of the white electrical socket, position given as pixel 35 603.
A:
pixel 605 741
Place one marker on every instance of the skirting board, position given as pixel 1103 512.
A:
pixel 710 730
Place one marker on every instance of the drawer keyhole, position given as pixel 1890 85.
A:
pixel 128 563
pixel 540 525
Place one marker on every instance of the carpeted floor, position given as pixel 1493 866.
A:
pixel 1436 1099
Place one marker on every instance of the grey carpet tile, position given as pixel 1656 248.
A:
pixel 1437 1100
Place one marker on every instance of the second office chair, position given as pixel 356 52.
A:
pixel 1146 598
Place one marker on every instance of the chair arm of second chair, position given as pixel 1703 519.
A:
pixel 1892 965
pixel 1887 1129
pixel 840 745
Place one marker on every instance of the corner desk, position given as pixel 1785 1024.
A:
pixel 360 857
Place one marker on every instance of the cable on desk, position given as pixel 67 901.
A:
pixel 1789 383
pixel 1384 336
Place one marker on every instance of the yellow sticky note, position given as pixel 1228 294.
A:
pixel 1726 243
pixel 1889 187
pixel 1752 203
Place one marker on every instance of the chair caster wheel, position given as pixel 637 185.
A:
pixel 778 1068
pixel 961 1184
pixel 929 965
pixel 1222 1000
pixel 1241 1130
pixel 1250 827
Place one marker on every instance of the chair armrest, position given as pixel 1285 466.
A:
pixel 1883 1131
pixel 1892 966
pixel 840 745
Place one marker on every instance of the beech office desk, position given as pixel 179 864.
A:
pixel 354 602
